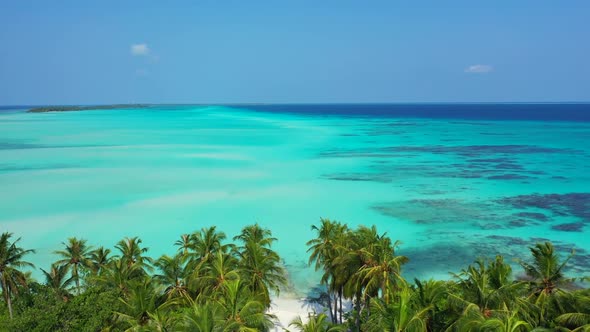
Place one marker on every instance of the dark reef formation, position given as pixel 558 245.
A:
pixel 574 204
pixel 569 227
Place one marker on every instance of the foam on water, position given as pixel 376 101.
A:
pixel 450 190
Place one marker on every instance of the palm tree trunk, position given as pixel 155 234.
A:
pixel 6 293
pixel 9 302
pixel 358 311
pixel 340 295
pixel 384 289
pixel 335 307
pixel 330 307
pixel 75 273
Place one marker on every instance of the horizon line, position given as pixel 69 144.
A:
pixel 305 103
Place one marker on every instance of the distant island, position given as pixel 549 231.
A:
pixel 46 109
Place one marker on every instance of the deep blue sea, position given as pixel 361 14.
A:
pixel 576 112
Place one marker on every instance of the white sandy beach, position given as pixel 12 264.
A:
pixel 287 307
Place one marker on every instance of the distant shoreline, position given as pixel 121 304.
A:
pixel 47 109
pixel 563 112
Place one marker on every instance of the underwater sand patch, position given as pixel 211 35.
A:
pixel 433 211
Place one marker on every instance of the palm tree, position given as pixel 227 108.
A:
pixel 577 311
pixel 77 256
pixel 261 270
pixel 242 309
pixel 100 259
pixel 500 273
pixel 138 304
pixel 184 244
pixel 502 320
pixel 432 294
pixel 207 242
pixel 399 315
pixel 485 297
pixel 259 264
pixel 547 281
pixel 172 275
pixel 203 318
pixel 208 279
pixel 508 322
pixel 255 233
pixel 488 285
pixel 316 323
pixel 323 247
pixel 133 254
pixel 162 321
pixel 57 279
pixel 546 271
pixel 579 321
pixel 382 268
pixel 348 261
pixel 474 283
pixel 11 261
pixel 120 275
pixel 324 253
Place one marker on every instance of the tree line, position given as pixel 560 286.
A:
pixel 212 284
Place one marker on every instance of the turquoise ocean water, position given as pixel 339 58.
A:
pixel 449 189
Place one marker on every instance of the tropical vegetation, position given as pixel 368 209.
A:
pixel 212 284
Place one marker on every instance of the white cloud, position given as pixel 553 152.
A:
pixel 140 49
pixel 479 69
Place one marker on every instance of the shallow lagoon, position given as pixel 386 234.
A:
pixel 449 189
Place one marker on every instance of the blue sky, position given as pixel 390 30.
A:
pixel 86 52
